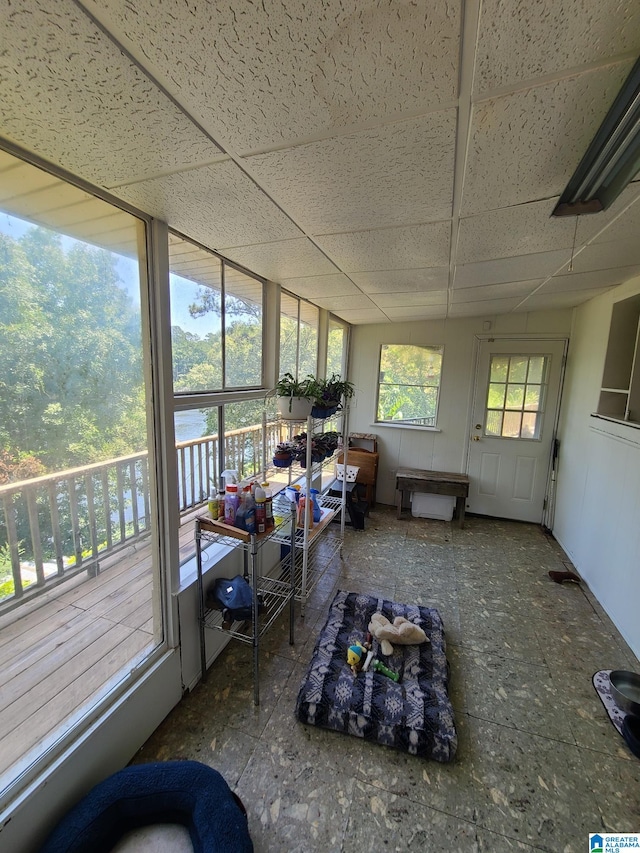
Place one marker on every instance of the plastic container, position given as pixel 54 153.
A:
pixel 261 510
pixel 212 505
pixel 302 513
pixel 231 503
pixel 317 511
pixel 432 506
pixel 268 506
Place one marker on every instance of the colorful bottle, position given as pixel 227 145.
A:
pixel 231 501
pixel 317 511
pixel 261 510
pixel 212 505
pixel 220 515
pixel 302 512
pixel 268 506
pixel 250 518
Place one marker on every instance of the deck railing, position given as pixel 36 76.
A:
pixel 53 527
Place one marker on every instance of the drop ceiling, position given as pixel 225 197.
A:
pixel 389 161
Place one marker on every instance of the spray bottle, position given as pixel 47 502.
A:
pixel 231 498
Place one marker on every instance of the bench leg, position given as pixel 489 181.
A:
pixel 461 504
pixel 399 499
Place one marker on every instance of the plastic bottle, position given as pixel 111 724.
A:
pixel 212 505
pixel 261 510
pixel 241 512
pixel 231 501
pixel 268 506
pixel 220 515
pixel 317 511
pixel 302 509
pixel 250 517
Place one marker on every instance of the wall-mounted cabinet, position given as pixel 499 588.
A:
pixel 620 389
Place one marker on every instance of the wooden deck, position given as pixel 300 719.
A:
pixel 63 651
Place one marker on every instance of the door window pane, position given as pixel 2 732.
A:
pixel 517 385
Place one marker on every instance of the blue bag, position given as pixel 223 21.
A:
pixel 234 597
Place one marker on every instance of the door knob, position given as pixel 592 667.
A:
pixel 475 438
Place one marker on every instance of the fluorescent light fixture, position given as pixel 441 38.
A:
pixel 613 158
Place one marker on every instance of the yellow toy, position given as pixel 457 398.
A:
pixel 401 631
pixel 355 653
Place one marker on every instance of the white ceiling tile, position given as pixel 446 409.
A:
pixel 495 291
pixel 526 145
pixel 402 280
pixel 390 248
pixel 263 73
pixel 389 300
pixel 396 174
pixel 566 299
pixel 519 268
pixel 600 256
pixel 320 285
pixel 591 280
pixel 621 221
pixel 517 42
pixel 217 205
pixel 484 306
pixel 284 259
pixel 72 96
pixel 337 303
pixel 425 312
pixel 359 316
pixel 521 230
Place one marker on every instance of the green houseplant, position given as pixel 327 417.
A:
pixel 294 398
pixel 328 395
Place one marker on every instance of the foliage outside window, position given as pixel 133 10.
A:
pixel 515 397
pixel 337 348
pixel 216 321
pixel 409 384
pixel 299 322
pixel 75 468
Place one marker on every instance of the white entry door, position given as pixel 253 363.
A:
pixel 512 429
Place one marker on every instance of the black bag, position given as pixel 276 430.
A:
pixel 233 597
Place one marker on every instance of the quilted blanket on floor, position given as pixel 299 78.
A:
pixel 414 714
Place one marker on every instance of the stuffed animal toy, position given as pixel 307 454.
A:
pixel 401 631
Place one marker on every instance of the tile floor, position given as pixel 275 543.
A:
pixel 539 765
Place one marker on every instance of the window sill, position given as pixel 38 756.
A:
pixel 418 427
pixel 212 554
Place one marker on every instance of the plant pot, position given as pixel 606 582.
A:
pixel 294 408
pixel 282 461
pixel 321 412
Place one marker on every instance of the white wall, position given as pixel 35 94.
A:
pixel 597 518
pixel 444 450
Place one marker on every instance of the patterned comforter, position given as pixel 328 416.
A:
pixel 414 714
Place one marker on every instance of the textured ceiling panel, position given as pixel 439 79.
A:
pixel 338 303
pixel 521 268
pixel 521 230
pixel 360 316
pixel 625 226
pixel 593 279
pixel 391 248
pixel 389 300
pixel 320 285
pixel 263 73
pixel 485 306
pixel 495 291
pixel 602 256
pixel 550 301
pixel 217 205
pixel 285 259
pixel 398 174
pixel 427 312
pixel 525 146
pixel 387 281
pixel 71 96
pixel 518 41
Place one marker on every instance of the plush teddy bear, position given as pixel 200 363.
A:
pixel 400 631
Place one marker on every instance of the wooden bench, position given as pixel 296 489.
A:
pixel 433 483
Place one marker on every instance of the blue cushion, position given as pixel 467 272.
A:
pixel 184 792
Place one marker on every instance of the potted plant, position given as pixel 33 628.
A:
pixel 283 456
pixel 294 398
pixel 328 395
